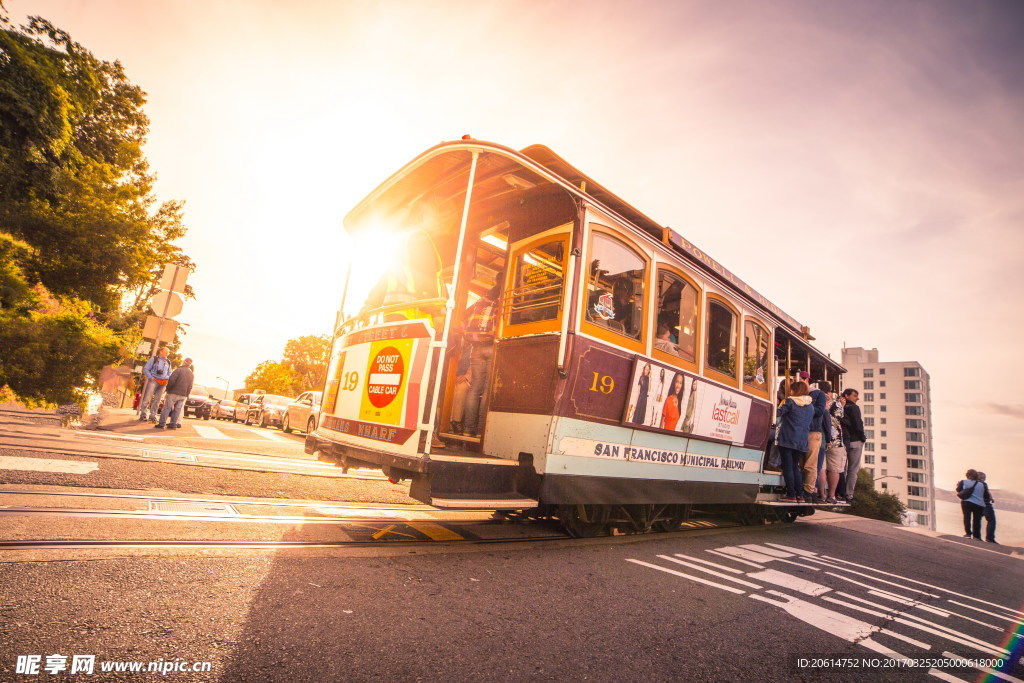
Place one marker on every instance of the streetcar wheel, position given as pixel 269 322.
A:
pixel 582 521
pixel 311 425
pixel 286 426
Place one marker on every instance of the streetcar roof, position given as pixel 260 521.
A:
pixel 447 164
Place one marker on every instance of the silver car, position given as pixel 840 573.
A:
pixel 304 413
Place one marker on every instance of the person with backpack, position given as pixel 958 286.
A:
pixel 972 502
pixel 792 427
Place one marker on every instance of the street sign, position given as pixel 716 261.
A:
pixel 166 304
pixel 173 278
pixel 144 347
pixel 166 331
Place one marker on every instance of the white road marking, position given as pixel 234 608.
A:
pixel 988 670
pixel 878 580
pixel 736 559
pixel 789 581
pixel 903 601
pixel 922 583
pixel 47 465
pixel 211 433
pixel 720 575
pixel 771 552
pixel 745 554
pixel 796 551
pixel 966 641
pixel 266 434
pixel 687 576
pixel 802 565
pixel 997 616
pixel 710 564
pixel 943 676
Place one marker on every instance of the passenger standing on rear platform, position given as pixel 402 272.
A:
pixel 814 442
pixel 479 332
pixel 853 439
pixel 791 436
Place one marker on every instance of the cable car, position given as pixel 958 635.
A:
pixel 627 376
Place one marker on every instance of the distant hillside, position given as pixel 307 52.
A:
pixel 1005 499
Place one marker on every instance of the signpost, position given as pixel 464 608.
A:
pixel 166 304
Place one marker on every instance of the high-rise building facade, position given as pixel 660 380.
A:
pixel 895 400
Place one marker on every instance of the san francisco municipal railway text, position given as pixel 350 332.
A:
pixel 896 663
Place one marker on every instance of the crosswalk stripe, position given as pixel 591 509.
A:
pixel 272 436
pixel 211 433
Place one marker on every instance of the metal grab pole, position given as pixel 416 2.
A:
pixel 450 303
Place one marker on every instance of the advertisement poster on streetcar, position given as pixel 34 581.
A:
pixel 662 397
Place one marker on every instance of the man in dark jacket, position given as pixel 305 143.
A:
pixel 853 438
pixel 178 388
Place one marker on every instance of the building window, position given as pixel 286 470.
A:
pixel 868 410
pixel 885 484
pixel 915 464
pixel 917 504
pixel 911 384
pixel 883 432
pixel 911 372
pixel 881 383
pixel 755 354
pixel 868 397
pixel 869 459
pixel 915 436
pixel 869 433
pixel 882 420
pixel 916 477
pixel 884 446
pixel 883 408
pixel 915 450
pixel 915 410
pixel 869 385
pixel 869 446
pixel 918 491
pixel 884 458
pixel 881 371
pixel 912 398
pixel 869 372
pixel 721 348
pixel 677 316
pixel 869 422
pixel 882 396
pixel 616 287
pixel 922 520
pixel 915 424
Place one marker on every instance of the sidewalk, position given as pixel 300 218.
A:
pixel 113 419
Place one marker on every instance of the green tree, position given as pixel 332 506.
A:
pixel 74 183
pixel 273 377
pixel 308 357
pixel 869 502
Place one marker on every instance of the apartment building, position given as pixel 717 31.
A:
pixel 895 400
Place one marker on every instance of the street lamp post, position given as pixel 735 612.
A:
pixel 889 476
pixel 227 388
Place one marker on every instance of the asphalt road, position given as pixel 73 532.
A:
pixel 714 604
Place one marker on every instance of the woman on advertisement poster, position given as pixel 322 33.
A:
pixel 659 400
pixel 670 413
pixel 643 389
pixel 691 404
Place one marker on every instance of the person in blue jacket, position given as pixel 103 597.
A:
pixel 793 425
pixel 972 502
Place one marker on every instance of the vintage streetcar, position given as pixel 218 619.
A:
pixel 632 376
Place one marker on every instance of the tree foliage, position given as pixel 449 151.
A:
pixel 874 504
pixel 79 224
pixel 303 368
pixel 272 377
pixel 74 183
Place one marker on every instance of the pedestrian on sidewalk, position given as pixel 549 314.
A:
pixel 990 511
pixel 178 388
pixel 155 374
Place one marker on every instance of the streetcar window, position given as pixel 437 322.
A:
pixel 537 278
pixel 755 354
pixel 677 317
pixel 721 349
pixel 615 287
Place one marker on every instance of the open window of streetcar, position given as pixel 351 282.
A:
pixel 622 368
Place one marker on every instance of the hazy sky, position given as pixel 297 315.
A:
pixel 859 163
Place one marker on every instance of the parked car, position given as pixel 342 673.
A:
pixel 267 409
pixel 199 402
pixel 223 409
pixel 304 413
pixel 242 407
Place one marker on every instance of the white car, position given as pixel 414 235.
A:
pixel 304 413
